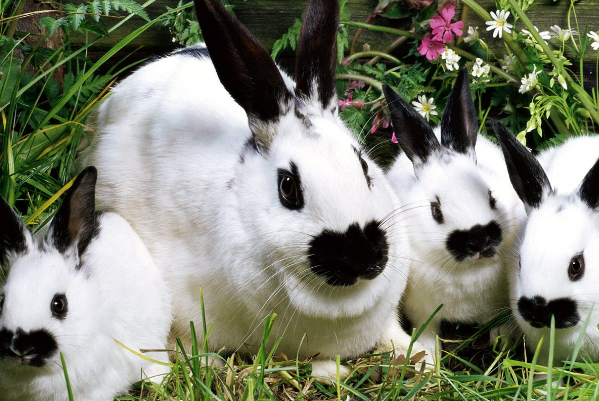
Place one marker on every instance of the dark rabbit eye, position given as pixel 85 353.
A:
pixel 59 306
pixel 290 192
pixel 436 211
pixel 492 201
pixel 576 268
pixel 364 166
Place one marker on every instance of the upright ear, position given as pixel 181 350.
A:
pixel 75 220
pixel 527 176
pixel 589 187
pixel 414 134
pixel 12 233
pixel 316 59
pixel 459 125
pixel 243 66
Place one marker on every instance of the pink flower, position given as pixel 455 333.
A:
pixel 442 26
pixel 393 138
pixel 431 48
pixel 345 103
pixel 355 84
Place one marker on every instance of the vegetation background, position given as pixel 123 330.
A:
pixel 58 60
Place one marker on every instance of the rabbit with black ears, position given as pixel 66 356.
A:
pixel 88 282
pixel 559 254
pixel 260 195
pixel 461 211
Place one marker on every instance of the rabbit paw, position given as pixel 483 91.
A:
pixel 326 371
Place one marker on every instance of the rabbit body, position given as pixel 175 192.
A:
pixel 113 291
pixel 559 254
pixel 206 191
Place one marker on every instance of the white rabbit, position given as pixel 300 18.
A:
pixel 559 254
pixel 88 282
pixel 461 214
pixel 286 214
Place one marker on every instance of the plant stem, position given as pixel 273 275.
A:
pixel 389 49
pixel 378 28
pixel 372 53
pixel 12 27
pixel 581 94
pixel 498 71
pixel 363 78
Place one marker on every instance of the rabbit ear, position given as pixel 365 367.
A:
pixel 527 176
pixel 459 125
pixel 589 187
pixel 316 58
pixel 414 134
pixel 75 220
pixel 12 233
pixel 243 66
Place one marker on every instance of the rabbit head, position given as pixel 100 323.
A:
pixel 559 253
pixel 303 186
pixel 461 224
pixel 44 291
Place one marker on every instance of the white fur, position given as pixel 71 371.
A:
pixel 472 291
pixel 168 151
pixel 561 227
pixel 118 294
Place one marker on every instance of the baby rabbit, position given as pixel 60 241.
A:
pixel 88 282
pixel 247 184
pixel 559 254
pixel 462 214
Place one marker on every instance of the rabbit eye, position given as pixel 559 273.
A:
pixel 576 268
pixel 1 303
pixel 59 306
pixel 290 193
pixel 492 201
pixel 364 166
pixel 436 211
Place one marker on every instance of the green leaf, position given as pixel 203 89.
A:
pixel 288 40
pixel 131 7
pixel 77 16
pixel 51 24
pixel 106 6
pixel 96 9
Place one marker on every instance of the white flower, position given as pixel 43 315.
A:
pixel 479 70
pixel 562 34
pixel 500 23
pixel 529 81
pixel 544 34
pixel 508 63
pixel 560 79
pixel 595 37
pixel 472 35
pixel 451 59
pixel 425 107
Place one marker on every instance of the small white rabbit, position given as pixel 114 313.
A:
pixel 461 214
pixel 559 254
pixel 88 282
pixel 248 185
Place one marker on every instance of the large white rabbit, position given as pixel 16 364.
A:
pixel 248 185
pixel 461 213
pixel 88 282
pixel 559 254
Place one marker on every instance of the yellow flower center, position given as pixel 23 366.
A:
pixel 426 107
pixel 500 22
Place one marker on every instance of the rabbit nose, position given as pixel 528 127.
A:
pixel 477 242
pixel 31 348
pixel 537 312
pixel 344 257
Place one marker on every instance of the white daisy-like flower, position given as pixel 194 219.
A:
pixel 529 81
pixel 508 63
pixel 451 59
pixel 425 107
pixel 543 34
pixel 479 70
pixel 472 34
pixel 595 37
pixel 499 23
pixel 562 34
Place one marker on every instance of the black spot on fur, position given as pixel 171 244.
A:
pixel 75 220
pixel 343 258
pixel 478 239
pixel 36 346
pixel 193 51
pixel 537 312
pixel 230 183
pixel 241 159
pixel 492 201
pixel 305 120
pixel 12 233
pixel 364 166
pixel 253 144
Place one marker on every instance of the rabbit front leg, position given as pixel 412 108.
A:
pixel 395 338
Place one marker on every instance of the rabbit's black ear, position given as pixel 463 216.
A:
pixel 316 59
pixel 527 176
pixel 589 187
pixel 75 220
pixel 243 66
pixel 414 134
pixel 459 125
pixel 12 233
